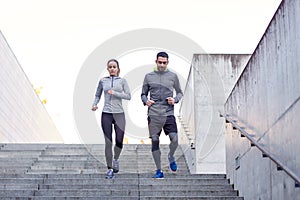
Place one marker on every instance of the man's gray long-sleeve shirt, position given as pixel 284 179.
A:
pixel 161 85
pixel 112 102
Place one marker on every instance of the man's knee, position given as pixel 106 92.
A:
pixel 173 137
pixel 155 142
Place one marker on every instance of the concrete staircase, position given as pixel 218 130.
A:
pixel 77 171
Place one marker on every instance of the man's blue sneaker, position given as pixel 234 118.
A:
pixel 173 166
pixel 159 174
pixel 110 174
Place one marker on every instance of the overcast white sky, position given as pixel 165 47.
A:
pixel 52 38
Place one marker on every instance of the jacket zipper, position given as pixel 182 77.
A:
pixel 112 85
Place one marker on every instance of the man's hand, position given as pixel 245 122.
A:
pixel 150 102
pixel 170 100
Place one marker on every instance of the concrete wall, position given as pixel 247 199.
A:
pixel 186 122
pixel 214 76
pixel 23 118
pixel 266 99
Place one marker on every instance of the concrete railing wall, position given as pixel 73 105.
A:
pixel 266 100
pixel 214 76
pixel 23 117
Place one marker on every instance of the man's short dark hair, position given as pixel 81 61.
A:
pixel 162 54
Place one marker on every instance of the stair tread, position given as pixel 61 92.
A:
pixel 77 171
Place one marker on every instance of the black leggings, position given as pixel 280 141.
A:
pixel 107 121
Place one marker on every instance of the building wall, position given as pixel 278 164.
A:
pixel 23 117
pixel 266 100
pixel 214 76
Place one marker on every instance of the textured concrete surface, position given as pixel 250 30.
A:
pixel 78 172
pixel 266 101
pixel 213 77
pixel 23 117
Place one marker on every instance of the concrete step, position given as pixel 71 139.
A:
pixel 141 187
pixel 13 170
pixel 63 171
pixel 187 192
pixel 129 192
pixel 22 175
pixel 17 186
pixel 101 175
pixel 99 167
pixel 142 175
pixel 19 153
pixel 23 147
pixel 21 180
pixel 191 198
pixel 119 179
pixel 141 181
pixel 87 164
pixel 78 158
pixel 16 193
pixel 122 198
pixel 70 164
pixel 87 192
pixel 17 162
pixel 80 171
pixel 134 192
pixel 99 170
pixel 58 171
pixel 71 198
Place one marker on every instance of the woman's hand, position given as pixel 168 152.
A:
pixel 149 103
pixel 94 108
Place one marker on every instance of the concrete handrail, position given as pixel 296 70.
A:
pixel 265 152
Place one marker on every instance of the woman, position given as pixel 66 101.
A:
pixel 115 89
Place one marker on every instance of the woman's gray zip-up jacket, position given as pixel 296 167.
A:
pixel 161 85
pixel 112 102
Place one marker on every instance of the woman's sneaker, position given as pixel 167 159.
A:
pixel 115 166
pixel 159 174
pixel 110 174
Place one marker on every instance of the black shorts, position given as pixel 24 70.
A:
pixel 157 123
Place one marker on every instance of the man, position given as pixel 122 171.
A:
pixel 160 85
